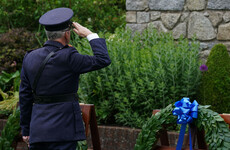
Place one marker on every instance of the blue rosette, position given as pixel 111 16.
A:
pixel 185 112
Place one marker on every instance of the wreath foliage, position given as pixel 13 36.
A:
pixel 217 133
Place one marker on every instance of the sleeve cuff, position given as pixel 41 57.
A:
pixel 92 36
pixel 25 132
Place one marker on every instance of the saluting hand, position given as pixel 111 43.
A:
pixel 80 30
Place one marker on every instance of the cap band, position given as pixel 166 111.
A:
pixel 58 27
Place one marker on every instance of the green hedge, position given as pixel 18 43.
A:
pixel 99 15
pixel 215 89
pixel 148 72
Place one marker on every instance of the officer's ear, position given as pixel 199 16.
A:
pixel 66 34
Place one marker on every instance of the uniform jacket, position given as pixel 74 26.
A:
pixel 57 121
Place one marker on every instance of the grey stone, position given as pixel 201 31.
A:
pixel 158 25
pixel 179 30
pixel 136 27
pixel 215 17
pixel 143 17
pixel 211 45
pixel 136 4
pixel 131 16
pixel 154 15
pixel 196 4
pixel 204 55
pixel 170 19
pixel 226 16
pixel 227 44
pixel 218 4
pixel 203 46
pixel 184 17
pixel 166 4
pixel 206 14
pixel 200 26
pixel 223 32
pixel 207 45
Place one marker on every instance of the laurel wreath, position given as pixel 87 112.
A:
pixel 217 133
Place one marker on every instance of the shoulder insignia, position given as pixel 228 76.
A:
pixel 30 50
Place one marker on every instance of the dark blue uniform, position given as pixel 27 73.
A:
pixel 62 121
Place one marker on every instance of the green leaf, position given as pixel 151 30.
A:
pixel 219 119
pixel 227 139
pixel 226 144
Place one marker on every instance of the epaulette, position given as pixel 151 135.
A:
pixel 31 50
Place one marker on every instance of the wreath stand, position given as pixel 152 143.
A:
pixel 89 118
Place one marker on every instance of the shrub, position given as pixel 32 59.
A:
pixel 14 45
pixel 10 131
pixel 215 89
pixel 100 15
pixel 148 72
pixel 25 13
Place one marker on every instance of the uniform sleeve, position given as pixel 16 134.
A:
pixel 85 63
pixel 26 103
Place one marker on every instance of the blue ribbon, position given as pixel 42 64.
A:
pixel 185 112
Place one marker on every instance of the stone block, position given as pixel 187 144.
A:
pixel 196 4
pixel 136 27
pixel 166 4
pixel 223 32
pixel 204 55
pixel 227 44
pixel 206 14
pixel 131 16
pixel 170 19
pixel 179 30
pixel 154 15
pixel 215 17
pixel 218 4
pixel 137 4
pixel 184 17
pixel 143 17
pixel 200 26
pixel 203 46
pixel 158 25
pixel 206 45
pixel 226 16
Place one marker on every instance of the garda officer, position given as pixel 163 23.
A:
pixel 50 114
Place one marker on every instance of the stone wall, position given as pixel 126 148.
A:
pixel 209 20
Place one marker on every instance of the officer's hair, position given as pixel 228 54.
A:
pixel 53 35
